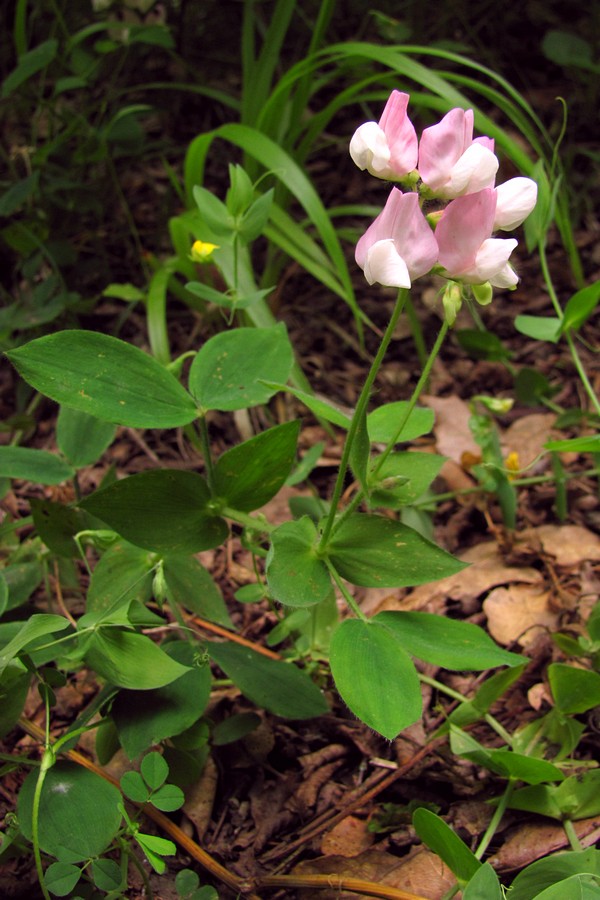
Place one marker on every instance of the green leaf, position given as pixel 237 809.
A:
pixel 484 885
pixel 131 660
pixel 39 625
pixel 580 307
pixel 383 422
pixel 14 687
pixel 69 794
pixel 250 474
pixel 134 787
pixel 168 798
pixel 576 445
pixel 107 875
pixel 403 477
pixel 320 408
pixel 574 690
pixel 577 887
pixel 234 727
pixel 256 217
pixel 145 718
pixel 461 646
pixel 295 573
pixel 154 847
pixel 440 838
pixel 482 344
pixel 154 770
pixel 227 372
pixel 544 873
pixel 123 574
pixel 375 677
pixel 106 378
pixel 541 328
pixel 29 64
pixel 60 878
pixel 164 510
pixel 81 437
pixel 374 551
pixel 191 586
pixel 33 465
pixel 277 686
pixel 128 292
pixel 12 199
pixel 57 525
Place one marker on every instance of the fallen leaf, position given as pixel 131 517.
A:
pixel 533 841
pixel 421 873
pixel 200 797
pixel 526 437
pixel 518 613
pixel 451 429
pixel 569 544
pixel 349 838
pixel 487 570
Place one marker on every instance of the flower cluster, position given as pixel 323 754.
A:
pixel 457 241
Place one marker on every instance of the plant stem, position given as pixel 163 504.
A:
pixel 415 396
pixel 346 594
pixel 582 373
pixel 48 760
pixel 572 835
pixel 450 692
pixel 206 453
pixel 496 819
pixel 361 406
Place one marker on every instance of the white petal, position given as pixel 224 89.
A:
pixel 385 266
pixel 516 198
pixel 492 258
pixel 474 171
pixel 507 278
pixel 369 148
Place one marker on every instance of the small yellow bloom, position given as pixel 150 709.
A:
pixel 202 251
pixel 512 463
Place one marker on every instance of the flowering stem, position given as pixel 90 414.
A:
pixel 415 396
pixel 361 406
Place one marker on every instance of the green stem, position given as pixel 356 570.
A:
pixel 206 453
pixel 361 406
pixel 581 372
pixel 345 593
pixel 252 522
pixel 572 835
pixel 415 396
pixel 496 819
pixel 548 279
pixel 450 692
pixel 48 760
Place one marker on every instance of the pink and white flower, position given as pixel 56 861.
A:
pixel 451 163
pixel 515 199
pixel 388 148
pixel 467 251
pixel 399 246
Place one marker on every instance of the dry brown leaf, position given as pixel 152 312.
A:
pixel 518 613
pixel 421 873
pixel 526 437
pixel 200 797
pixel 451 429
pixel 349 838
pixel 533 841
pixel 487 570
pixel 570 545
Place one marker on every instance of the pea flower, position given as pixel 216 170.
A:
pixel 515 199
pixel 451 163
pixel 387 149
pixel 202 251
pixel 467 250
pixel 399 245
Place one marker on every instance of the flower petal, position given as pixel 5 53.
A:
pixel 441 147
pixel 369 148
pixel 463 227
pixel 385 266
pixel 474 171
pixel 515 199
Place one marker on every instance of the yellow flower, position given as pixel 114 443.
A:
pixel 512 463
pixel 202 251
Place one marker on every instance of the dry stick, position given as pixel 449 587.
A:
pixel 359 798
pixel 231 636
pixel 340 883
pixel 179 836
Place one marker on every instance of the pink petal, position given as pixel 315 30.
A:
pixel 442 145
pixel 465 224
pixel 516 198
pixel 400 133
pixel 474 171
